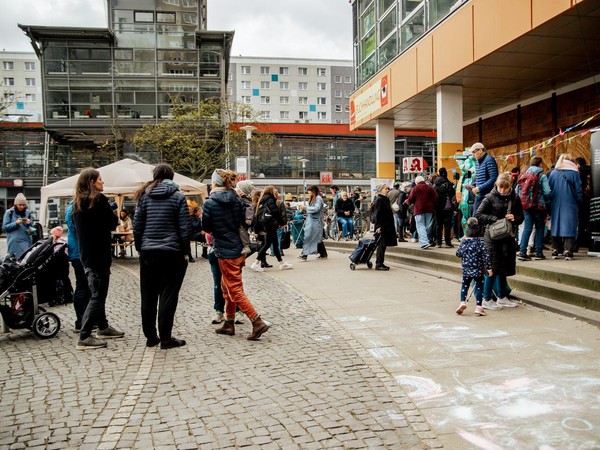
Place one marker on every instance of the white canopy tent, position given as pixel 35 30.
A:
pixel 121 179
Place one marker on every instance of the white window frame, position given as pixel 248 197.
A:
pixel 303 71
pixel 265 70
pixel 321 100
pixel 265 100
pixel 303 85
pixel 9 81
pixel 321 115
pixel 30 98
pixel 284 71
pixel 302 115
pixel 321 86
pixel 29 81
pixel 8 65
pixel 265 85
pixel 338 94
pixel 246 70
pixel 246 84
pixel 303 100
pixel 265 115
pixel 321 72
pixel 338 108
pixel 347 79
pixel 284 85
pixel 246 99
pixel 284 115
pixel 338 78
pixel 284 100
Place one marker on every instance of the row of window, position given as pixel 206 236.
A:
pixel 9 97
pixel 284 100
pixel 10 65
pixel 266 115
pixel 10 81
pixel 284 85
pixel 303 71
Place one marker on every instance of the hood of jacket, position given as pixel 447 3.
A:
pixel 223 195
pixel 535 170
pixel 509 195
pixel 164 189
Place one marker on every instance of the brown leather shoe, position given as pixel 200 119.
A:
pixel 259 326
pixel 228 328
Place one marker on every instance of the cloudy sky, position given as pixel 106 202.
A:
pixel 287 28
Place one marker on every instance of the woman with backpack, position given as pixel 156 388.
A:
pixel 534 190
pixel 269 219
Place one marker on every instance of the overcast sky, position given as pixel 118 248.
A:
pixel 286 28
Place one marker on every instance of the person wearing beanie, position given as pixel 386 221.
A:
pixel 17 226
pixel 223 214
pixel 476 261
pixel 444 207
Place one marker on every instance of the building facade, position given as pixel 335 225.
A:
pixel 20 87
pixel 508 73
pixel 292 90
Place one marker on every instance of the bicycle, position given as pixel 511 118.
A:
pixel 332 225
pixel 361 223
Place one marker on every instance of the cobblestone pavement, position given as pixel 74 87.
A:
pixel 306 384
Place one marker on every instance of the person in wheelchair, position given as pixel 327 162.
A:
pixel 344 209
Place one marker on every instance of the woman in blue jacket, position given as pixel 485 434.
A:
pixel 17 226
pixel 566 197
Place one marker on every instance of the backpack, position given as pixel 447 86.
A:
pixel 529 185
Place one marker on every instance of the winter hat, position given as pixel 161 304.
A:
pixel 20 199
pixel 245 186
pixel 472 227
pixel 419 179
pixel 477 146
pixel 57 232
pixel 380 187
pixel 217 179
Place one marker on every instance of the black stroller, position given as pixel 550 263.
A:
pixel 19 290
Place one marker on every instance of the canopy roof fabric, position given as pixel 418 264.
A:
pixel 121 179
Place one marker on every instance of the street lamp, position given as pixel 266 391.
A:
pixel 248 129
pixel 304 161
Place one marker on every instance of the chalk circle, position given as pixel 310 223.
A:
pixel 576 424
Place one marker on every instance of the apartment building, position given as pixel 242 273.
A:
pixel 293 90
pixel 20 87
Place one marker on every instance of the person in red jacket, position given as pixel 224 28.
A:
pixel 424 197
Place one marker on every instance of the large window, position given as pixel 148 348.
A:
pixel 265 70
pixel 303 71
pixel 284 70
pixel 29 66
pixel 8 65
pixel 9 81
pixel 303 86
pixel 245 70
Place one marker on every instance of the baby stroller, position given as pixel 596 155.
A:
pixel 19 290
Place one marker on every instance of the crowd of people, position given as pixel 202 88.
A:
pixel 496 217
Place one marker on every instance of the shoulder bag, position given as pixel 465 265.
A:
pixel 502 228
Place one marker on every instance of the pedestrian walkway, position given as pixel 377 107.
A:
pixel 355 359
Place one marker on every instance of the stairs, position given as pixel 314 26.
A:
pixel 568 287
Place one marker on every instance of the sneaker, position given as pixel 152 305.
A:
pixel 382 267
pixel 90 343
pixel 285 266
pixel 490 304
pixel 568 256
pixel 109 333
pixel 523 257
pixel 218 318
pixel 554 254
pixel 245 250
pixel 239 318
pixel 426 246
pixel 506 303
pixel 256 267
pixel 303 257
pixel 461 308
pixel 539 257
pixel 479 311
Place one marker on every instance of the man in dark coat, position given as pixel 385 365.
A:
pixel 444 207
pixel 382 218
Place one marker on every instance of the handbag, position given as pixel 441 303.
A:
pixel 502 228
pixel 285 239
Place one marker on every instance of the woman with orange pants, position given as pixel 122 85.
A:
pixel 223 214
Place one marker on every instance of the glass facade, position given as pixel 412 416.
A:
pixel 383 29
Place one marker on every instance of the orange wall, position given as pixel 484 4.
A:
pixel 477 29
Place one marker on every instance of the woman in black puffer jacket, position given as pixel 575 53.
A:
pixel 494 207
pixel 161 230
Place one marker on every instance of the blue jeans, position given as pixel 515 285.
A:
pixel 424 223
pixel 501 285
pixel 537 219
pixel 217 289
pixel 347 224
pixel 95 312
pixel 82 294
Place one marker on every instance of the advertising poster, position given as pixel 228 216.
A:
pixel 595 194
